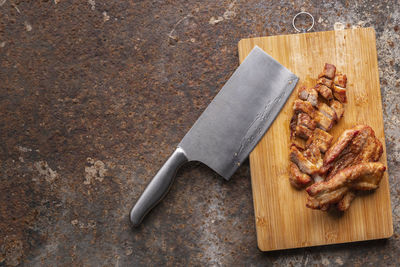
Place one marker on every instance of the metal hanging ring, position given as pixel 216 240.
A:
pixel 303 30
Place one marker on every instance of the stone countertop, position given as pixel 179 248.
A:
pixel 95 95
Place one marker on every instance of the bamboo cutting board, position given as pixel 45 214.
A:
pixel 282 219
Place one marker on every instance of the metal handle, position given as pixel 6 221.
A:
pixel 158 187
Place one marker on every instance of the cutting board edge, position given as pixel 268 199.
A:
pixel 307 33
pixel 324 244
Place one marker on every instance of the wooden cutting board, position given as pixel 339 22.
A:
pixel 282 219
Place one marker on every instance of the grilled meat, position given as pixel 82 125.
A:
pixel 354 146
pixel 324 91
pixel 363 176
pixel 303 132
pixel 304 164
pixel 303 106
pixel 327 111
pixel 339 93
pixel 338 108
pixel 340 80
pixel 328 72
pixel 297 178
pixel 325 81
pixel 306 120
pixel 320 139
pixel 323 122
pixel 309 94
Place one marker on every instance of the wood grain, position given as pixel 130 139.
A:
pixel 282 220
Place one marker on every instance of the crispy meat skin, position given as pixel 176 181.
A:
pixel 325 81
pixel 297 178
pixel 298 142
pixel 320 139
pixel 328 72
pixel 363 176
pixel 303 106
pixel 354 146
pixel 345 202
pixel 306 120
pixel 309 95
pixel 340 80
pixel 340 93
pixel 324 91
pixel 338 108
pixel 323 122
pixel 302 162
pixel 303 132
pixel 327 111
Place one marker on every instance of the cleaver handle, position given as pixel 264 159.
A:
pixel 158 187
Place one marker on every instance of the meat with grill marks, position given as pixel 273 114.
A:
pixel 363 176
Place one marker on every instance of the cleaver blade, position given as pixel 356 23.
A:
pixel 229 128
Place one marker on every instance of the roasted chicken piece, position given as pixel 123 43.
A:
pixel 327 111
pixel 340 93
pixel 338 108
pixel 303 106
pixel 324 91
pixel 325 81
pixel 305 120
pixel 309 94
pixel 323 122
pixel 320 139
pixel 305 165
pixel 297 178
pixel 355 145
pixel 363 176
pixel 328 72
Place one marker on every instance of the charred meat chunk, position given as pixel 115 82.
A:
pixel 297 178
pixel 320 139
pixel 328 72
pixel 363 176
pixel 324 91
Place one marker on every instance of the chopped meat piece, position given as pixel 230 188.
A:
pixel 303 93
pixel 310 95
pixel 340 80
pixel 363 176
pixel 313 154
pixel 302 162
pixel 323 122
pixel 305 120
pixel 297 178
pixel 340 93
pixel 328 72
pixel 327 111
pixel 303 132
pixel 303 106
pixel 345 202
pixel 325 81
pixel 299 143
pixel 338 108
pixel 320 139
pixel 293 123
pixel 324 91
pixel 355 145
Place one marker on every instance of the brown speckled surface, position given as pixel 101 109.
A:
pixel 94 95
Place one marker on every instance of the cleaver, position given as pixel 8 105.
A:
pixel 229 128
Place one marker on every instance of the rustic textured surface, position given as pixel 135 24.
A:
pixel 94 95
